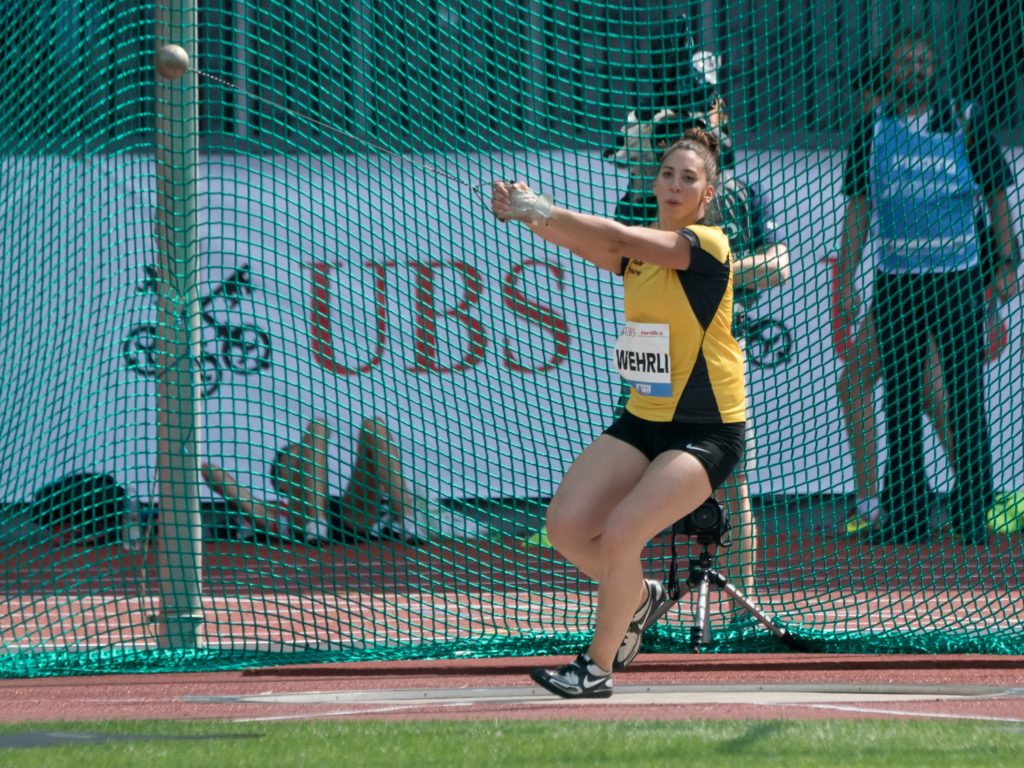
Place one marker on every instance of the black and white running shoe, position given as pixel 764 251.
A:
pixel 582 679
pixel 648 613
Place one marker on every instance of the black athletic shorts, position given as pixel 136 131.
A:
pixel 717 446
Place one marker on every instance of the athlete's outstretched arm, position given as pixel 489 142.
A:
pixel 599 240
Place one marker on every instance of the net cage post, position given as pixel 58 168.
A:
pixel 179 388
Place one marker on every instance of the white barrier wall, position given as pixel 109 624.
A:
pixel 367 287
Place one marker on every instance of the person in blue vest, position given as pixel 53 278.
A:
pixel 919 172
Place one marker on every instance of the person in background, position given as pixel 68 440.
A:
pixel 760 263
pixel 862 369
pixel 920 172
pixel 376 502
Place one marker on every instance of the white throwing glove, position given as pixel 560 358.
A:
pixel 522 204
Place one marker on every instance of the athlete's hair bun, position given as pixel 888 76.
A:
pixel 705 137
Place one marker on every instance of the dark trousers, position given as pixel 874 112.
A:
pixel 950 308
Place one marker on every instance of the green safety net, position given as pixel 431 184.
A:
pixel 278 388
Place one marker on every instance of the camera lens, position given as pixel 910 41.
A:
pixel 706 517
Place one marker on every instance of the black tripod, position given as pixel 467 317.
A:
pixel 709 525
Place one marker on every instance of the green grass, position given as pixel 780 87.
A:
pixel 510 744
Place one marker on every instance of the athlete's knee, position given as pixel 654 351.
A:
pixel 620 539
pixel 317 426
pixel 375 429
pixel 563 531
pixel 568 524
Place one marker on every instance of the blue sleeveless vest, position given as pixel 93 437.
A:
pixel 925 197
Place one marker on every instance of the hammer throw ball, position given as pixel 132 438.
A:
pixel 171 62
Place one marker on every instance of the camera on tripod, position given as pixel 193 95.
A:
pixel 708 523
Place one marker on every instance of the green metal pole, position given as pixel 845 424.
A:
pixel 179 388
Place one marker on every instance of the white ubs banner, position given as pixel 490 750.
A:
pixel 355 287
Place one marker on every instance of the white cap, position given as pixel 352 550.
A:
pixel 706 64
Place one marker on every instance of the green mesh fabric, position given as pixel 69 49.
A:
pixel 296 232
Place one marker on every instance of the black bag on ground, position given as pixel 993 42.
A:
pixel 85 504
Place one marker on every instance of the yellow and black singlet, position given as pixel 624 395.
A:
pixel 694 306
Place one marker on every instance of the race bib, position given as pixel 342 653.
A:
pixel 642 358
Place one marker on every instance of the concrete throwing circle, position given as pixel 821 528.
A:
pixel 629 694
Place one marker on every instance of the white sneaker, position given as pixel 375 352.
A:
pixel 391 526
pixel 317 533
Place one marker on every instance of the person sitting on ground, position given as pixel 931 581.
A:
pixel 377 502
